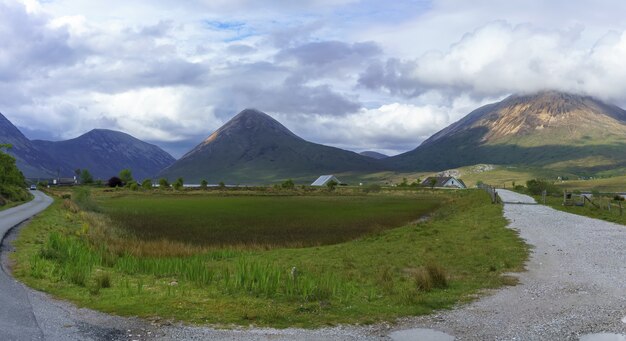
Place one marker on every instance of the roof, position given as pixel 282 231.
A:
pixel 324 179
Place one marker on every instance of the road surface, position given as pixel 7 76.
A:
pixel 17 320
pixel 575 284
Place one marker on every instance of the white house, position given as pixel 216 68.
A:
pixel 324 180
pixel 444 181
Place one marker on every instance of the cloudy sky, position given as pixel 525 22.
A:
pixel 361 75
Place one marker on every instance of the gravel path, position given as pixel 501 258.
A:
pixel 575 285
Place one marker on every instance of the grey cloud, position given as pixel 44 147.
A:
pixel 330 52
pixel 241 49
pixel 293 99
pixel 29 47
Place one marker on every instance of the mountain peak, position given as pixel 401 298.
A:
pixel 252 124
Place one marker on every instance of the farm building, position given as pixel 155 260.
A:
pixel 444 181
pixel 324 180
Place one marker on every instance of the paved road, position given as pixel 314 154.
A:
pixel 575 284
pixel 17 320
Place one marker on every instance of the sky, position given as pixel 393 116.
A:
pixel 354 74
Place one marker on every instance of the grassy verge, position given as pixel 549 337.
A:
pixel 11 204
pixel 602 212
pixel 409 270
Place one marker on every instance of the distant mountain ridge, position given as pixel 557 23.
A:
pixel 103 152
pixel 374 155
pixel 29 159
pixel 255 148
pixel 118 151
pixel 547 129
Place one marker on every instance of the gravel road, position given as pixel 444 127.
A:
pixel 575 285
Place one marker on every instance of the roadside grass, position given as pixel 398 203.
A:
pixel 410 270
pixel 602 212
pixel 10 204
pixel 610 184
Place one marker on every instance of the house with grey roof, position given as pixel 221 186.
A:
pixel 325 179
pixel 444 182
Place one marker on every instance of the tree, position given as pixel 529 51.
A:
pixel 204 184
pixel 115 182
pixel 147 184
pixel 432 182
pixel 12 181
pixel 288 184
pixel 331 185
pixel 178 184
pixel 126 176
pixel 85 177
pixel 222 185
pixel 163 183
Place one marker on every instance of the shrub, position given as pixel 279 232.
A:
pixel 618 198
pixel 222 185
pixel 204 184
pixel 81 196
pixel 85 177
pixel 126 175
pixel 133 186
pixel 331 185
pixel 115 182
pixel 163 183
pixel 536 186
pixel 288 184
pixel 179 184
pixel 146 184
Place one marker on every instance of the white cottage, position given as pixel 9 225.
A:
pixel 324 180
pixel 444 181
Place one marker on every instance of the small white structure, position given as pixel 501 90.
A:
pixel 324 180
pixel 444 181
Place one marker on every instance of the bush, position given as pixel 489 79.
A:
pixel 331 185
pixel 163 183
pixel 126 175
pixel 133 186
pixel 81 196
pixel 288 184
pixel 536 186
pixel 179 184
pixel 618 198
pixel 146 184
pixel 115 182
pixel 204 184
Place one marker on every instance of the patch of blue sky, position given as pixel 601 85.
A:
pixel 384 11
pixel 240 30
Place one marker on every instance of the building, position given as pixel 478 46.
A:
pixel 444 181
pixel 325 179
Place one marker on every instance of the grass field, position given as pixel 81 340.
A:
pixel 409 270
pixel 263 220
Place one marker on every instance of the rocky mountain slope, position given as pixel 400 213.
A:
pixel 547 129
pixel 254 148
pixel 105 152
pixel 29 159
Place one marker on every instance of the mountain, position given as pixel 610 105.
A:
pixel 29 159
pixel 548 129
pixel 106 152
pixel 374 155
pixel 254 148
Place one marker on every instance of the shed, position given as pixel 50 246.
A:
pixel 444 181
pixel 325 179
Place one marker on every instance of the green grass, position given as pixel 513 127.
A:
pixel 602 212
pixel 263 220
pixel 409 270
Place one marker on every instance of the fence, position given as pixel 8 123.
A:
pixel 493 194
